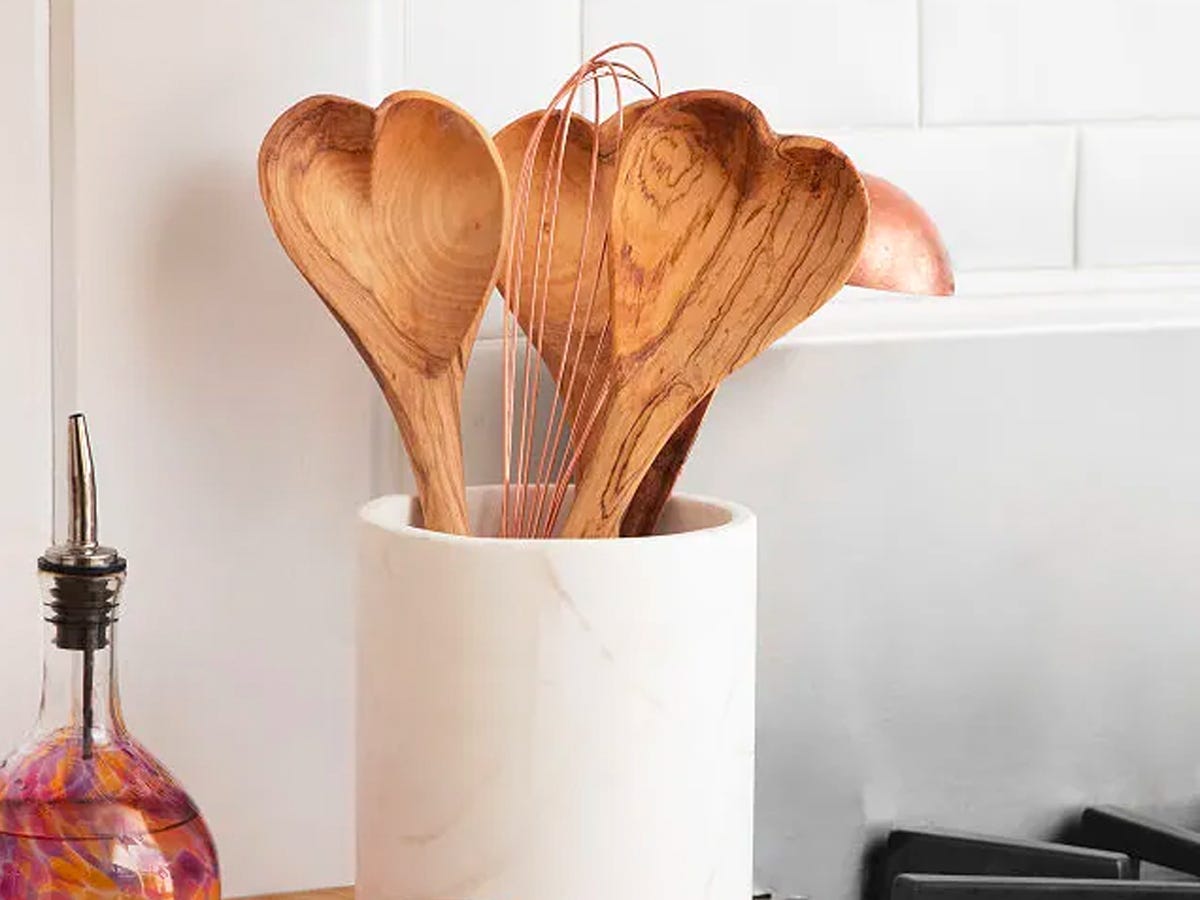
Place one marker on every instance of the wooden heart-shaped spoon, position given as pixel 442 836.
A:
pixel 397 217
pixel 724 236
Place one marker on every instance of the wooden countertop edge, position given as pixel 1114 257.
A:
pixel 344 893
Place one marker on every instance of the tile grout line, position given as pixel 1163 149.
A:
pixel 375 14
pixel 920 14
pixel 390 36
pixel 378 88
pixel 43 55
pixel 982 130
pixel 583 54
pixel 1077 176
pixel 1119 122
pixel 64 294
pixel 405 39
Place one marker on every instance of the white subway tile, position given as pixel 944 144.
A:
pixel 1139 201
pixel 805 62
pixel 498 60
pixel 1003 198
pixel 1055 60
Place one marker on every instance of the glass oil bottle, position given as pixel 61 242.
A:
pixel 85 810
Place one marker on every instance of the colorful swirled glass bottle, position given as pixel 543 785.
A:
pixel 85 811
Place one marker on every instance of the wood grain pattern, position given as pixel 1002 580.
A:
pixel 724 237
pixel 397 217
pixel 658 483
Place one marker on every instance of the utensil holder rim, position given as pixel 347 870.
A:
pixel 373 513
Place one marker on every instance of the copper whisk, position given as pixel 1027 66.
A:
pixel 555 290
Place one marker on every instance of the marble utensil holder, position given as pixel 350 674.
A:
pixel 556 719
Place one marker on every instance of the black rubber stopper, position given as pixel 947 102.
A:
pixel 81 609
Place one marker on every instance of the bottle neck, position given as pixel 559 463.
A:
pixel 80 699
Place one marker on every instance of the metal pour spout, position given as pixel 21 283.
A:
pixel 81 485
pixel 81 553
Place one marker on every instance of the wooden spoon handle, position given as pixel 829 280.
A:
pixel 630 432
pixel 429 420
pixel 658 483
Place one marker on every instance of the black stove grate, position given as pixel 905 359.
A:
pixel 933 864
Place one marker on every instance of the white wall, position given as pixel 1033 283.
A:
pixel 25 492
pixel 231 418
pixel 236 431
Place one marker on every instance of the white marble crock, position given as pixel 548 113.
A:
pixel 556 720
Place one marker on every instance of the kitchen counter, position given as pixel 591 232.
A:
pixel 346 893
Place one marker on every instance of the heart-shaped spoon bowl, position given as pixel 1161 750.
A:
pixel 397 217
pixel 724 236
